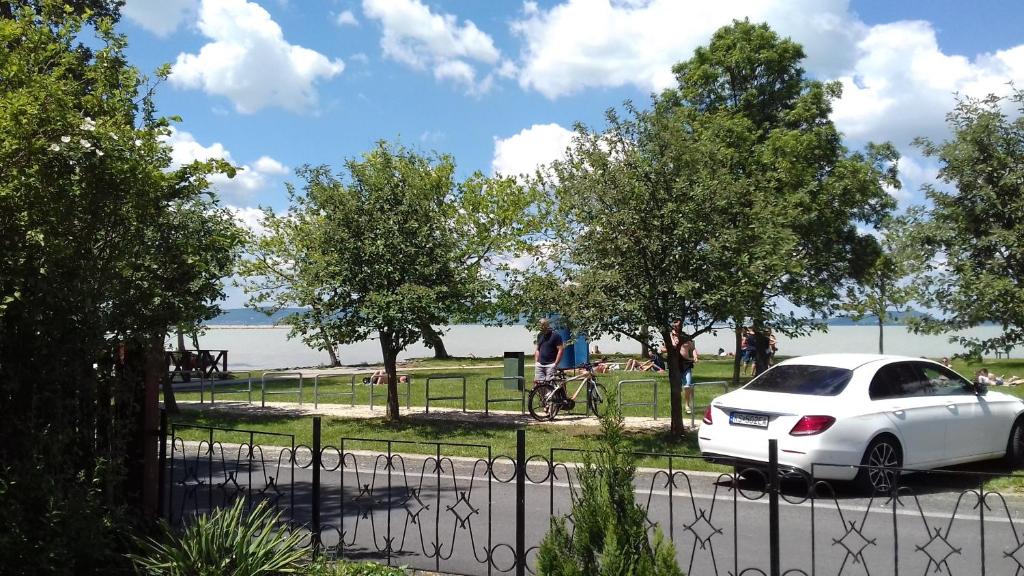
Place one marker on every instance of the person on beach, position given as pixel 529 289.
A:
pixel 381 377
pixel 687 359
pixel 548 353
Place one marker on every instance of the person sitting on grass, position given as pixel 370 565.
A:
pixel 602 365
pixel 381 377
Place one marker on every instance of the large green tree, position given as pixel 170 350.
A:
pixel 973 232
pixel 796 197
pixel 395 245
pixel 729 194
pixel 104 249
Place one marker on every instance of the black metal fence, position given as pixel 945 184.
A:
pixel 460 508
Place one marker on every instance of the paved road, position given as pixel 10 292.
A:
pixel 413 514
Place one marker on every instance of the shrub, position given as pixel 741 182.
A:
pixel 227 542
pixel 610 533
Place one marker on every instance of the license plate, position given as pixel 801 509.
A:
pixel 747 419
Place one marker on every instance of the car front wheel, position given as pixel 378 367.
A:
pixel 881 461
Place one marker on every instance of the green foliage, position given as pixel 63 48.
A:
pixel 103 245
pixel 731 192
pixel 973 233
pixel 391 246
pixel 885 284
pixel 609 535
pixel 227 542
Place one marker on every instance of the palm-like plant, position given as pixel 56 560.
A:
pixel 228 542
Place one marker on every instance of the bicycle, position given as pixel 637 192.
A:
pixel 549 397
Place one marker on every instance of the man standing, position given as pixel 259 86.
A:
pixel 687 358
pixel 548 352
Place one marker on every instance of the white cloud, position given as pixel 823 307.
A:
pixel 268 165
pixel 898 83
pixel 902 84
pixel 580 44
pixel 250 62
pixel 414 35
pixel 532 147
pixel 249 217
pixel 161 17
pixel 346 18
pixel 248 180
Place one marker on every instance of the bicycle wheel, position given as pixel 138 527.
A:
pixel 542 403
pixel 597 399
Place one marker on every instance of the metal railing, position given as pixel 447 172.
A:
pixel 246 390
pixel 316 389
pixel 462 508
pixel 263 386
pixel 653 404
pixel 504 400
pixel 441 377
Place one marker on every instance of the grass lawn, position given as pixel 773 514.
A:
pixel 419 436
pixel 331 389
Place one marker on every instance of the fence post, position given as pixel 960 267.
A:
pixel 316 486
pixel 773 505
pixel 521 502
pixel 161 474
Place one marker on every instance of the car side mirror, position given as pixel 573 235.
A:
pixel 980 389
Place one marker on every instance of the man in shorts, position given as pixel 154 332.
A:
pixel 548 352
pixel 687 358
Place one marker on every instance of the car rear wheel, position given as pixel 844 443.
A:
pixel 881 460
pixel 1015 446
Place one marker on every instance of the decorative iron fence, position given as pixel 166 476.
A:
pixel 459 508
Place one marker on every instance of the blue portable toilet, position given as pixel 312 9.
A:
pixel 576 351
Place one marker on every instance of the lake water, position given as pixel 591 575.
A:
pixel 257 348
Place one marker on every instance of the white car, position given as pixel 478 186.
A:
pixel 837 411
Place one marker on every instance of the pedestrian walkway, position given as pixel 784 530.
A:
pixel 504 417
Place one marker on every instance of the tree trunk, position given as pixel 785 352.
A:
pixel 881 319
pixel 155 371
pixel 170 404
pixel 432 339
pixel 333 355
pixel 737 360
pixel 186 358
pixel 390 355
pixel 675 391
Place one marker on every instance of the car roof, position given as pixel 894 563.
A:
pixel 849 361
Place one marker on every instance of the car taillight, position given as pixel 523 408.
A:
pixel 810 425
pixel 707 415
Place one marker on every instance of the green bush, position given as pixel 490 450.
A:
pixel 610 535
pixel 227 542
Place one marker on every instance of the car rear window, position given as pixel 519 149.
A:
pixel 802 379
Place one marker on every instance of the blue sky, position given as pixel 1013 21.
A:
pixel 274 84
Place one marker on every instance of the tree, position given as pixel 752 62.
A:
pixel 795 194
pixel 395 245
pixel 972 234
pixel 731 192
pixel 104 249
pixel 609 535
pixel 278 273
pixel 884 286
